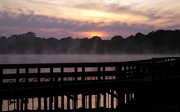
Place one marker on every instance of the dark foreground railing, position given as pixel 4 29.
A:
pixel 91 86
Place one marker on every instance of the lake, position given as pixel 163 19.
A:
pixel 19 59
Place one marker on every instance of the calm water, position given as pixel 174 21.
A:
pixel 11 59
pixel 18 59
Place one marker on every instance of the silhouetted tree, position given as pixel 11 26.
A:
pixel 160 41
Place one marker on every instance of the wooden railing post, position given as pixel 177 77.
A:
pixel 104 70
pixel 56 94
pixel 90 100
pixel 17 81
pixel 52 82
pixel 39 97
pixel 99 73
pixel 1 81
pixel 62 95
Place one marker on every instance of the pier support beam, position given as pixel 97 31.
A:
pixel 104 99
pixel 121 99
pixel 45 103
pixel 62 102
pixel 56 102
pixel 39 103
pixel 112 100
pixel 50 102
pixel 17 104
pixel 75 102
pixel 83 101
pixel 21 105
pixel 26 103
pixel 68 103
pixel 1 103
pixel 98 100
pixel 1 81
pixel 90 101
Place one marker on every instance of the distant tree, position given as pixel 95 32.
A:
pixel 95 45
pixel 117 44
pixel 117 38
pixel 96 38
pixel 30 34
pixel 160 41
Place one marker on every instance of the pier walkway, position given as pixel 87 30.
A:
pixel 92 86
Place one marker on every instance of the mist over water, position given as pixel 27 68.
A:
pixel 71 58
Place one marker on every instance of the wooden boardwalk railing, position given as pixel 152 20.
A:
pixel 121 80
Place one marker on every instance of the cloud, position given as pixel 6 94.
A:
pixel 61 18
pixel 62 27
pixel 129 11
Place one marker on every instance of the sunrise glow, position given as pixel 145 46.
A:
pixel 91 34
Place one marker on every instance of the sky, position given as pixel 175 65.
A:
pixel 87 18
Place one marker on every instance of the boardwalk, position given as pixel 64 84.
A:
pixel 92 86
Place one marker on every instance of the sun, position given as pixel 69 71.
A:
pixel 100 34
pixel 90 34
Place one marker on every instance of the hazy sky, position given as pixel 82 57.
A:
pixel 85 18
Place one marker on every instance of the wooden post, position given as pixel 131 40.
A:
pixel 104 99
pixel 17 104
pixel 75 71
pixel 83 100
pixel 21 104
pixel 27 72
pixel 127 98
pixel 112 100
pixel 117 72
pixel 90 100
pixel 50 103
pixel 56 102
pixel 62 81
pixel 68 103
pixel 104 69
pixel 121 99
pixel 51 97
pixel 32 103
pixel 39 97
pixel 26 103
pixel 98 100
pixel 26 99
pixel 62 102
pixel 83 71
pixel 45 103
pixel 98 94
pixel 75 102
pixel 17 81
pixel 1 81
pixel 39 102
pixel 56 94
pixel 1 103
pixel 99 73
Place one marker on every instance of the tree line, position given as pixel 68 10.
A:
pixel 156 42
